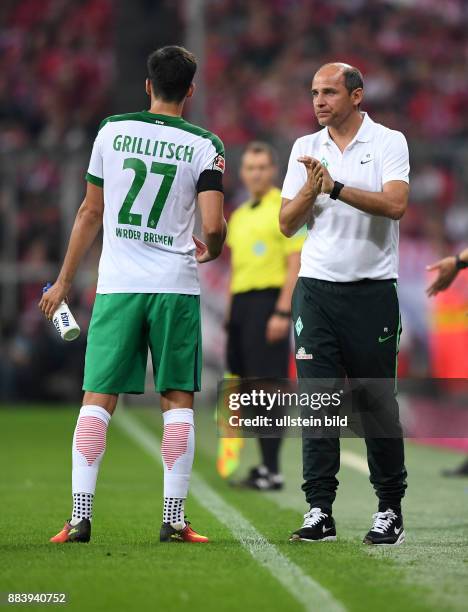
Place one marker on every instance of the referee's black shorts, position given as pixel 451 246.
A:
pixel 249 355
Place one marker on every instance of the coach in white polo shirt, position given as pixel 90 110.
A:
pixel 349 183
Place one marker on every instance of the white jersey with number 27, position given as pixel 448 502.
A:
pixel 149 166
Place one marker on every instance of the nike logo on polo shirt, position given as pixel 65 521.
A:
pixel 386 338
pixel 366 161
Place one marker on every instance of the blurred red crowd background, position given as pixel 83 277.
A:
pixel 64 66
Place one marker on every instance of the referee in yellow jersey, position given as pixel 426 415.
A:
pixel 264 268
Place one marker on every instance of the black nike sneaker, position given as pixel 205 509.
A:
pixel 168 533
pixel 260 479
pixel 317 527
pixel 387 529
pixel 81 532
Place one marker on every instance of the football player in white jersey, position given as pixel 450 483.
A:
pixel 148 171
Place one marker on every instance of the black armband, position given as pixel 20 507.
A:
pixel 210 180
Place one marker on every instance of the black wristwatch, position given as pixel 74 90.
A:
pixel 459 264
pixel 335 192
pixel 285 314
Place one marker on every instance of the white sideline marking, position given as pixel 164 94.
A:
pixel 355 461
pixel 309 593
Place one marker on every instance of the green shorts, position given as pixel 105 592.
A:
pixel 125 325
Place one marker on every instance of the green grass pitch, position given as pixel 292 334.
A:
pixel 125 567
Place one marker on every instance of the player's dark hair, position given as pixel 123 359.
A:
pixel 258 146
pixel 171 70
pixel 353 79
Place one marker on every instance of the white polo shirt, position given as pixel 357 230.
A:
pixel 344 244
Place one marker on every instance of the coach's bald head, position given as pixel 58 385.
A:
pixel 337 90
pixel 351 75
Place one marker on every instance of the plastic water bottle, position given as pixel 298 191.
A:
pixel 63 320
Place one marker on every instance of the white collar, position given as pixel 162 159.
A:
pixel 364 133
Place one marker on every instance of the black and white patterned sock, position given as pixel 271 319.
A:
pixel 82 507
pixel 174 512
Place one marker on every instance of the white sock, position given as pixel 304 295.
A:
pixel 89 444
pixel 177 449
